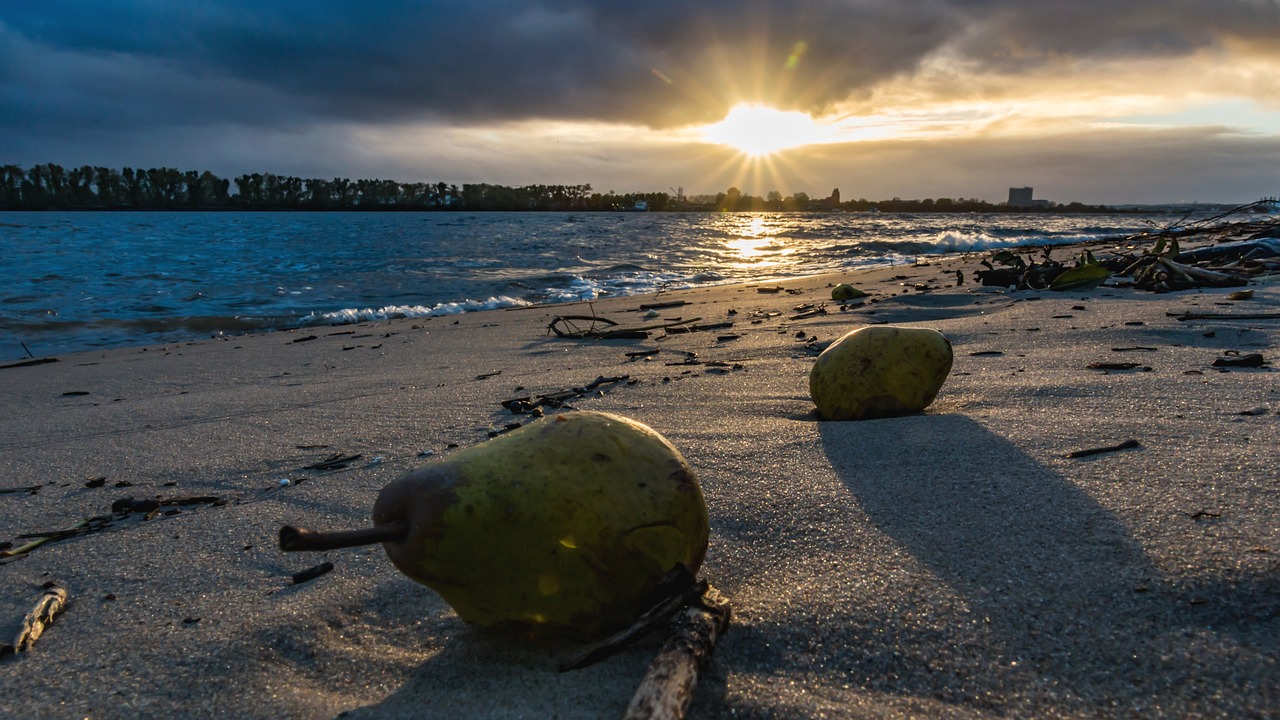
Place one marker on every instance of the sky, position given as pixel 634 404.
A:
pixel 1093 101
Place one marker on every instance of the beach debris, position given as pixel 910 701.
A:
pixel 1127 444
pixel 1240 252
pixel 594 327
pixel 495 430
pixel 663 305
pixel 769 290
pixel 120 510
pixel 569 523
pixel 1086 273
pixel 29 363
pixel 30 489
pixel 533 403
pixel 35 622
pixel 1253 412
pixel 1188 315
pixel 151 506
pixel 336 461
pixel 1234 358
pixel 312 573
pixel 809 311
pixel 41 538
pixel 305 338
pixel 668 686
pixel 699 328
pixel 1108 366
pixel 880 371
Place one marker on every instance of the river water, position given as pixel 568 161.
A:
pixel 84 280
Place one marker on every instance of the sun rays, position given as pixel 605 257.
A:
pixel 760 131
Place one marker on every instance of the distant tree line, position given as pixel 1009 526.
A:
pixel 51 187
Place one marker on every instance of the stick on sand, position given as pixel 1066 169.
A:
pixel 667 688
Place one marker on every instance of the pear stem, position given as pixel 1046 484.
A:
pixel 295 539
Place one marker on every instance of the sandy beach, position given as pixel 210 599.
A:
pixel 951 564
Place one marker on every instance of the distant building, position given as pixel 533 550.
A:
pixel 1020 197
pixel 835 197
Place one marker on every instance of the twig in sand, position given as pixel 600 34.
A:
pixel 35 622
pixel 312 573
pixel 334 462
pixel 29 363
pixel 42 538
pixel 1099 450
pixel 1223 316
pixel 667 688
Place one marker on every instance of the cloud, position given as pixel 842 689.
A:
pixel 602 92
pixel 660 63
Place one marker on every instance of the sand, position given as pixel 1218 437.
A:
pixel 951 564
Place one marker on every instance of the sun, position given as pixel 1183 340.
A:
pixel 759 130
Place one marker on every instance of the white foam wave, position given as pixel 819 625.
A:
pixel 958 241
pixel 392 312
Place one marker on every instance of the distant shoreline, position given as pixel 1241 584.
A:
pixel 50 187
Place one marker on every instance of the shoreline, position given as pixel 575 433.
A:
pixel 951 564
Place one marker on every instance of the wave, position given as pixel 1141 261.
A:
pixel 347 316
pixel 958 242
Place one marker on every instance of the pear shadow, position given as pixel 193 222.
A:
pixel 499 673
pixel 1065 594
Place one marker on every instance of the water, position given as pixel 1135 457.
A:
pixel 84 280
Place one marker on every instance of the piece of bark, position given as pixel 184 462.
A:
pixel 667 688
pixel 34 623
pixel 1127 444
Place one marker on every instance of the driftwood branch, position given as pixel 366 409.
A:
pixel 35 622
pixel 667 688
pixel 563 326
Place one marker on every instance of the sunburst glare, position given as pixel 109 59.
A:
pixel 758 130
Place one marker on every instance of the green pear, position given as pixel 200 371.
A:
pixel 568 524
pixel 880 371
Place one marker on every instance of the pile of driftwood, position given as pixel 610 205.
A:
pixel 1226 254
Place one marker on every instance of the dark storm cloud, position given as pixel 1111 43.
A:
pixel 661 62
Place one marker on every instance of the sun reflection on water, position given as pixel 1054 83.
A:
pixel 753 240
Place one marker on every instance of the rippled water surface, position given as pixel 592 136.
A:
pixel 82 280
